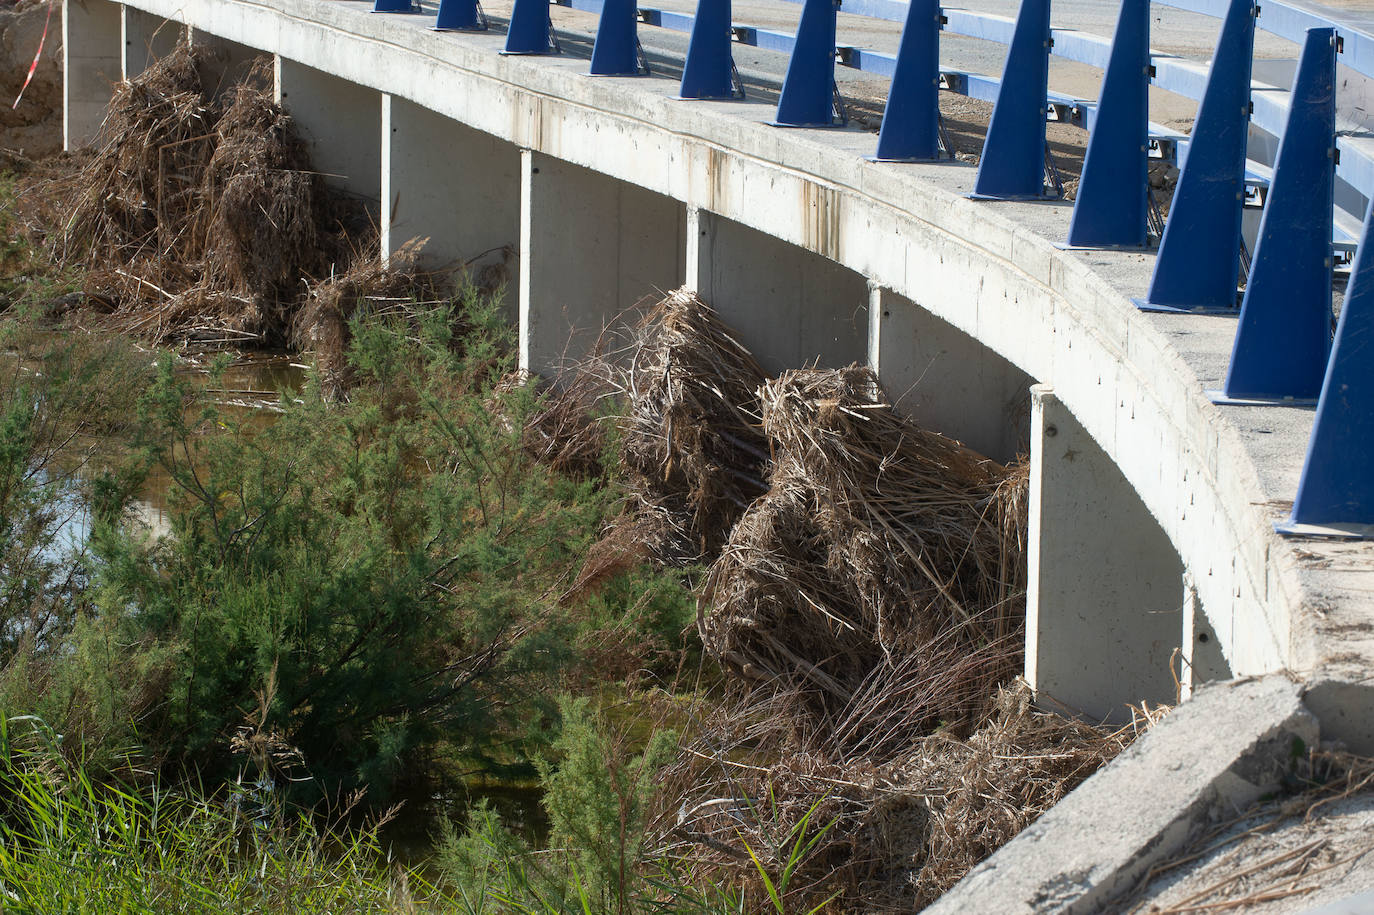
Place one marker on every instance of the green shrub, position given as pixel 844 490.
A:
pixel 396 558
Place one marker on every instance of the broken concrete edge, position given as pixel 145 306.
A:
pixel 1343 707
pixel 1207 760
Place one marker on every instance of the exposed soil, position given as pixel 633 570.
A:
pixel 33 128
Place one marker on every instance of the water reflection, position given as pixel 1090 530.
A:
pixel 251 385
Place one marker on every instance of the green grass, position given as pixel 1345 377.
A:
pixel 70 844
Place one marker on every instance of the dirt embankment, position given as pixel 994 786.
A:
pixel 33 128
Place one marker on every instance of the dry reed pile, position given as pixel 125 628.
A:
pixel 866 599
pixel 395 289
pixel 198 218
pixel 693 452
pixel 898 832
pixel 882 559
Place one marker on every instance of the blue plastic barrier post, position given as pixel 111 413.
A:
pixel 808 90
pixel 531 29
pixel 1109 210
pixel 460 16
pixel 1198 267
pixel 616 51
pixel 1283 340
pixel 709 66
pixel 911 120
pixel 1013 162
pixel 1336 490
pixel 393 6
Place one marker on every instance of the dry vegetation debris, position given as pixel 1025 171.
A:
pixel 879 556
pixel 865 597
pixel 901 829
pixel 694 451
pixel 197 219
pixel 1308 847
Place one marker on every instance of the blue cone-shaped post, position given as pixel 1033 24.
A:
pixel 459 16
pixel 706 72
pixel 808 90
pixel 1013 160
pixel 615 52
pixel 1110 207
pixel 1284 337
pixel 911 120
pixel 1198 267
pixel 529 28
pixel 392 6
pixel 1336 487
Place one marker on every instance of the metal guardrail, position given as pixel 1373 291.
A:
pixel 1168 72
pixel 1284 353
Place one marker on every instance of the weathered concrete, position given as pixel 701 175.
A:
pixel 341 121
pixel 1105 590
pixel 146 38
pixel 590 249
pixel 227 63
pixel 1202 660
pixel 91 64
pixel 1204 761
pixel 788 306
pixel 946 380
pixel 447 183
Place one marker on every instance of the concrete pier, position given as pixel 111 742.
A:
pixel 146 37
pixel 227 63
pixel 92 62
pixel 1104 614
pixel 445 182
pixel 341 122
pixel 947 381
pixel 590 249
pixel 1203 660
pixel 787 305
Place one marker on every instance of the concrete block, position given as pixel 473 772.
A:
pixel 1104 600
pixel 1211 756
pixel 456 186
pixel 788 306
pixel 342 123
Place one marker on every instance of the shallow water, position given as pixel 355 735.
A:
pixel 253 384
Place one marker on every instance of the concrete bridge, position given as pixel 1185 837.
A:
pixel 1155 567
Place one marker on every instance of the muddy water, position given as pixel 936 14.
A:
pixel 253 384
